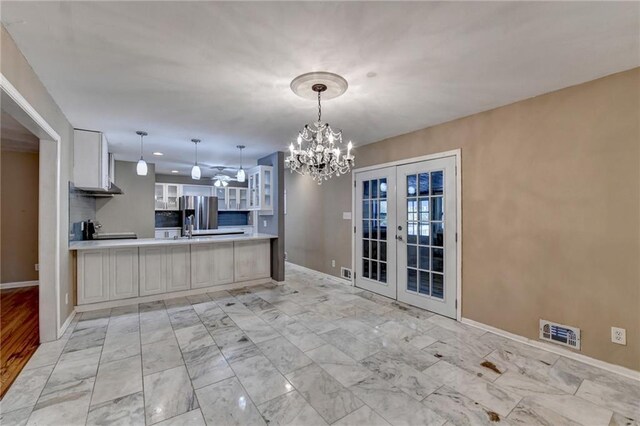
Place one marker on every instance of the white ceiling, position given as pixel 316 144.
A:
pixel 221 71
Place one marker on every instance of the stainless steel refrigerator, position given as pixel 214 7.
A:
pixel 201 211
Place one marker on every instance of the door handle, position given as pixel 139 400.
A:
pixel 399 237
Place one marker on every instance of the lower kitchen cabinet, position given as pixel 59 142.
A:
pixel 93 276
pixel 164 269
pixel 110 274
pixel 123 273
pixel 153 266
pixel 178 268
pixel 211 264
pixel 252 260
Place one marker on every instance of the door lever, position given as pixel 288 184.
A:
pixel 399 237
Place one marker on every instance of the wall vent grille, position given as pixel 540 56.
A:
pixel 345 273
pixel 564 335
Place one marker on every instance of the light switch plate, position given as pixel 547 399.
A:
pixel 346 215
pixel 619 335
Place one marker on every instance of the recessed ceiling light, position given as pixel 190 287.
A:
pixel 174 171
pixel 158 153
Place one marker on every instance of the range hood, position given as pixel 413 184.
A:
pixel 113 190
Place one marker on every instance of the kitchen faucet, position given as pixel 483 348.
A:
pixel 190 220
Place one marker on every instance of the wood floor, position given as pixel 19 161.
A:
pixel 19 332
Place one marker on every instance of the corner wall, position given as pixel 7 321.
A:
pixel 275 223
pixel 550 212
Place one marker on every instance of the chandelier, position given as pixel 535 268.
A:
pixel 319 151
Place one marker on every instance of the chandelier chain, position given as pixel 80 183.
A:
pixel 319 107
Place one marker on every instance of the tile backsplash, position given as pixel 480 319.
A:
pixel 168 219
pixel 81 208
pixel 233 218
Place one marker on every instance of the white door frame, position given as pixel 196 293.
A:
pixel 457 153
pixel 48 236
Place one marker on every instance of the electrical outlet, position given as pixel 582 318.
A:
pixel 619 335
pixel 333 263
pixel 66 298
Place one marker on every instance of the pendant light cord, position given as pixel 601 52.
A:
pixel 319 108
pixel 141 145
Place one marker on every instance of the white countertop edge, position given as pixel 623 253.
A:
pixel 149 242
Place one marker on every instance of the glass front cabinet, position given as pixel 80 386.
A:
pixel 261 189
pixel 167 195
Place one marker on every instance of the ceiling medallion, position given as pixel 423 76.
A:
pixel 319 152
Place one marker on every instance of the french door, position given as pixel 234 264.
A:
pixel 420 256
pixel 376 247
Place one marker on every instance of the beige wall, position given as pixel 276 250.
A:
pixel 17 70
pixel 132 211
pixel 19 205
pixel 550 212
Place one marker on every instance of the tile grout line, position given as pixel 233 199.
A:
pixel 86 417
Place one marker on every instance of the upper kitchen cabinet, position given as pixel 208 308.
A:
pixel 90 160
pixel 261 189
pixel 197 190
pixel 167 196
pixel 237 199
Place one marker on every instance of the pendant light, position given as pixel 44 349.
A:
pixel 195 170
pixel 141 167
pixel 241 176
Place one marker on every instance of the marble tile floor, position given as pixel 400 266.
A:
pixel 311 351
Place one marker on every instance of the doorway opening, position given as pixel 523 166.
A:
pixel 19 212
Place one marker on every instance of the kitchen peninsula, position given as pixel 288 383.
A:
pixel 119 272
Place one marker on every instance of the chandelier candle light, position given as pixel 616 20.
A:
pixel 319 148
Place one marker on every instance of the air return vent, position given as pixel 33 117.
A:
pixel 560 334
pixel 345 273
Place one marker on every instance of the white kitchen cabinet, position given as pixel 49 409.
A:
pixel 222 259
pixel 243 198
pixel 90 160
pixel 123 273
pixel 261 189
pixel 153 266
pixel 211 264
pixel 252 259
pixel 201 266
pixel 164 269
pixel 167 196
pixel 93 276
pixel 197 190
pixel 221 193
pixel 178 268
pixel 237 199
pixel 167 233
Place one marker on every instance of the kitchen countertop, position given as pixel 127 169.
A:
pixel 148 242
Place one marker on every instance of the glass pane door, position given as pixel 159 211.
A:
pixel 159 197
pixel 427 249
pixel 375 231
pixel 221 193
pixel 173 193
pixel 243 199
pixel 232 200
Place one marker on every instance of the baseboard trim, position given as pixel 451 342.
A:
pixel 19 284
pixel 165 296
pixel 63 327
pixel 618 369
pixel 344 280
